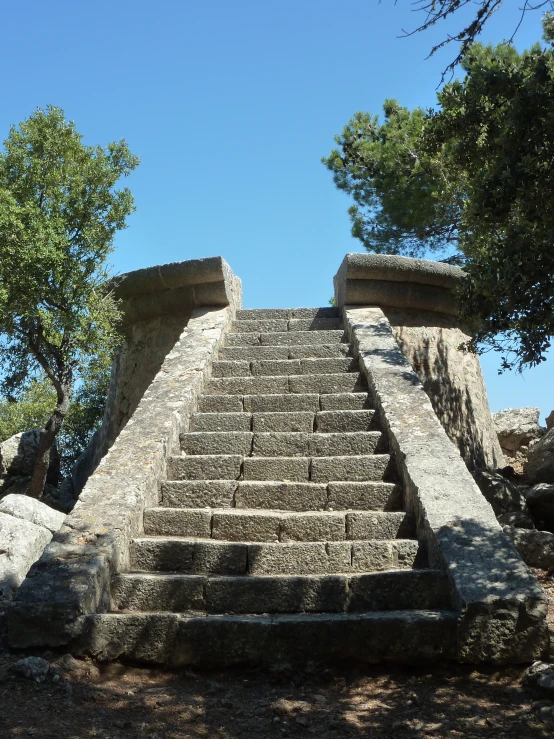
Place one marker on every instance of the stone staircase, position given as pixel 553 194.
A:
pixel 280 532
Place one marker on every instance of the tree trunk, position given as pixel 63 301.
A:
pixel 46 439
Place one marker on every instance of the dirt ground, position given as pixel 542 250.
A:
pixel 116 701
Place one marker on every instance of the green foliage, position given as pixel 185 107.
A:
pixel 475 174
pixel 405 201
pixel 59 213
pixel 29 410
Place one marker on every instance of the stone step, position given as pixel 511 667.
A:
pixel 292 496
pixel 254 325
pixel 257 313
pixel 280 443
pixel 363 468
pixel 256 594
pixel 258 353
pixel 205 467
pixel 177 640
pixel 285 338
pixel 244 524
pixel 208 556
pixel 306 421
pixel 286 367
pixel 283 403
pixel 346 382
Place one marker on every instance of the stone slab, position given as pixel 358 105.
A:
pixel 299 558
pixel 281 444
pixel 283 403
pixel 291 496
pixel 242 339
pixel 177 522
pixel 313 526
pixel 277 468
pixel 347 382
pixel 30 509
pixel 152 592
pixel 276 367
pixel 302 421
pixel 21 543
pixel 198 493
pixel 204 467
pixel 259 325
pixel 216 442
pixel 342 444
pixel 402 589
pixel 350 469
pixel 314 324
pixel 379 525
pixel 231 368
pixel 300 338
pixel 247 385
pixel 221 422
pixel 345 421
pixel 345 401
pixel 237 525
pixel 220 404
pixel 254 353
pixel 368 496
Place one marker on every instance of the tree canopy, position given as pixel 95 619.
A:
pixel 473 179
pixel 59 212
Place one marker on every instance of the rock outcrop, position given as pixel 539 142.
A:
pixel 517 429
pixel 540 462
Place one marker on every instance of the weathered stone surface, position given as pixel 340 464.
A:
pixel 257 325
pixel 342 444
pixel 204 467
pixel 292 421
pixel 237 525
pixel 220 404
pixel 540 499
pixel 21 544
pixel 312 526
pixel 254 353
pixel 243 339
pixel 276 367
pixel 221 422
pixel 398 590
pixel 503 495
pixel 345 421
pixel 540 460
pixel 216 442
pixel 345 401
pixel 283 469
pixel 550 420
pixel 299 558
pixel 30 509
pixel 151 592
pixel 369 496
pixel 535 547
pixel 518 519
pixel 379 525
pixel 177 522
pixel 191 556
pixel 347 382
pixel 282 594
pixel 278 444
pixel 198 493
pixel 314 324
pixel 352 469
pixel 517 427
pixel 174 640
pixel 247 385
pixel 490 584
pixel 281 403
pixel 300 338
pixel 291 496
pixel 318 350
pixel 232 368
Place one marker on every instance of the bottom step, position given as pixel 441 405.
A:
pixel 175 640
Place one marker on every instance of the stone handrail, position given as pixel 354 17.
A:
pixel 502 608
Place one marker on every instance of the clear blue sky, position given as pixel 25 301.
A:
pixel 231 106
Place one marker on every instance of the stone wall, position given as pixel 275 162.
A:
pixel 417 296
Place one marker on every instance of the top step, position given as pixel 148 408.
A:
pixel 285 313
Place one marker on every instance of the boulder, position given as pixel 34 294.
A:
pixel 540 462
pixel 518 519
pixel 17 457
pixel 30 509
pixel 516 428
pixel 540 499
pixel 536 548
pixel 503 495
pixel 21 544
pixel 550 420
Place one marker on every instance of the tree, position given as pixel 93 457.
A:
pixel 59 213
pixel 474 175
pixel 435 11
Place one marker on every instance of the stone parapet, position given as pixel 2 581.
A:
pixel 418 298
pixel 502 608
pixel 72 578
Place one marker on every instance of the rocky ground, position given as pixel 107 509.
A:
pixel 78 699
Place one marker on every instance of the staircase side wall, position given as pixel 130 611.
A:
pixel 72 578
pixel 502 608
pixel 418 298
